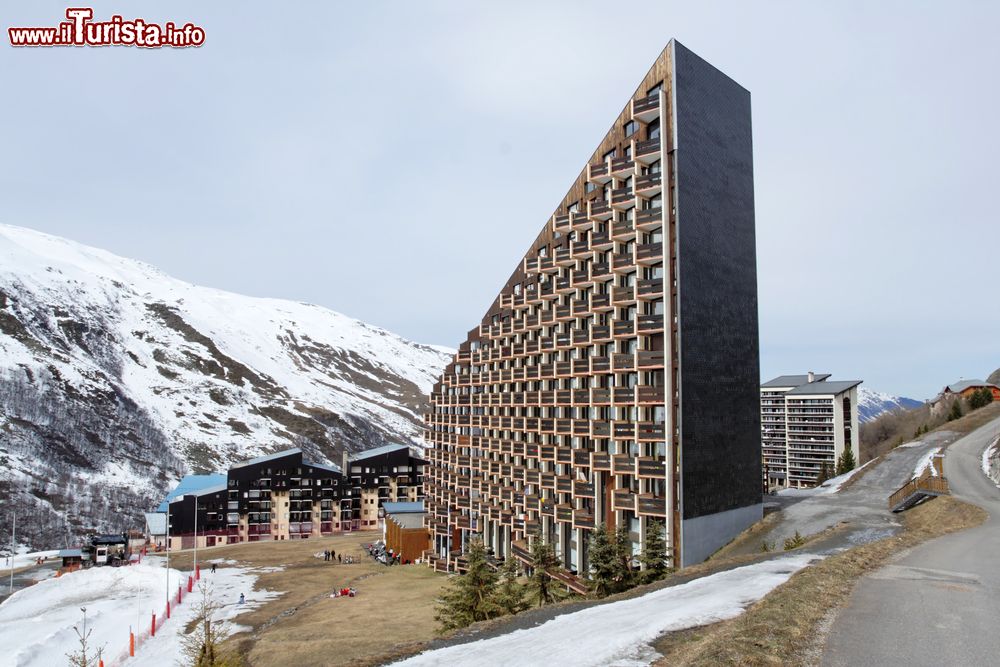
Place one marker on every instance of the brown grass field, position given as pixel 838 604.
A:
pixel 393 611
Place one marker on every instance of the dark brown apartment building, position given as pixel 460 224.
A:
pixel 615 377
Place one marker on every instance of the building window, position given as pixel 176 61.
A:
pixel 630 128
pixel 589 187
pixel 655 89
pixel 611 154
pixel 653 129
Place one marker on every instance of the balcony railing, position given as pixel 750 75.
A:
pixel 646 104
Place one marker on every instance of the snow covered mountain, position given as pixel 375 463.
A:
pixel 115 379
pixel 873 403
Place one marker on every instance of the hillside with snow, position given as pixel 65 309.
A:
pixel 873 403
pixel 116 379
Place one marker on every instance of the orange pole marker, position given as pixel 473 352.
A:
pixel 131 644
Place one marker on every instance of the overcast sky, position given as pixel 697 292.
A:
pixel 393 161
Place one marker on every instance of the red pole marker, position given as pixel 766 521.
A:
pixel 152 630
pixel 168 608
pixel 190 583
pixel 131 644
pixel 197 572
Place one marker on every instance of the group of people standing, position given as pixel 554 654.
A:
pixel 330 554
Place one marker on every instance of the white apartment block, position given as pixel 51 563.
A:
pixel 806 421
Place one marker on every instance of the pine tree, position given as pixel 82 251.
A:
pixel 654 552
pixel 623 557
pixel 602 560
pixel 543 557
pixel 508 597
pixel 203 646
pixel 976 400
pixel 470 597
pixel 956 410
pixel 846 462
pixel 794 542
pixel 825 473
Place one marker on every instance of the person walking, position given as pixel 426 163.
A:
pixel 213 568
pixel 339 559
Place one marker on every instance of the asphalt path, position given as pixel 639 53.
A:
pixel 939 604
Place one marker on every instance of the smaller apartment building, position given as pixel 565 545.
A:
pixel 807 421
pixel 282 496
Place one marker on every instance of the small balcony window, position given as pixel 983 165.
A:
pixel 653 129
pixel 630 128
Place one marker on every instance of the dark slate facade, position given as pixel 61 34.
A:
pixel 719 357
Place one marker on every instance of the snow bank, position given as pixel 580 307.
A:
pixel 619 633
pixel 36 623
pixel 991 453
pixel 834 484
pixel 927 462
pixel 24 558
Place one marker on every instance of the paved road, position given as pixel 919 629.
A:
pixel 940 603
pixel 26 577
pixel 862 505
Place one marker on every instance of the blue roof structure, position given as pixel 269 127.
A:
pixel 192 484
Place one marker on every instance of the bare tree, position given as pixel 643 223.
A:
pixel 203 646
pixel 82 657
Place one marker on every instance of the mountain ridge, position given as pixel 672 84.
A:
pixel 115 379
pixel 873 403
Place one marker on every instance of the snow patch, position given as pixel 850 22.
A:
pixel 619 633
pixel 927 463
pixel 991 453
pixel 834 484
pixel 36 623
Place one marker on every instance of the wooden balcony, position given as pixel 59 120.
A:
pixel 649 253
pixel 650 431
pixel 624 295
pixel 600 461
pixel 624 500
pixel 600 209
pixel 650 323
pixel 623 464
pixel 648 184
pixel 646 108
pixel 650 288
pixel 564 513
pixel 622 166
pixel 647 151
pixel 651 466
pixel 650 505
pixel 649 217
pixel 583 519
pixel 599 173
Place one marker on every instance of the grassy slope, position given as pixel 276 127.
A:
pixel 305 627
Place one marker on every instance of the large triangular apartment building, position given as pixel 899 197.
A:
pixel 615 377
